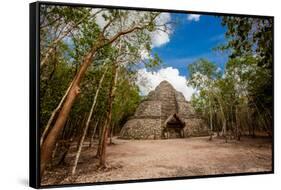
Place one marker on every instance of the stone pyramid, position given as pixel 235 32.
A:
pixel 164 113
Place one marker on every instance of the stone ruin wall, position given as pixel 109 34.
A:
pixel 142 129
pixel 165 95
pixel 145 124
pixel 148 108
pixel 137 128
pixel 195 127
pixel 148 120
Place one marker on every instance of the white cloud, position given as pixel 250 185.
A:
pixel 193 17
pixel 160 37
pixel 147 81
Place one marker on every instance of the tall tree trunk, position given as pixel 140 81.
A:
pixel 211 125
pixel 237 131
pixel 87 124
pixel 81 131
pixel 211 119
pixel 223 118
pixel 64 131
pixel 62 139
pixel 250 123
pixel 49 144
pixel 103 147
pixel 94 132
pixel 111 133
pixel 104 134
pixel 100 138
pixel 54 113
pixel 224 132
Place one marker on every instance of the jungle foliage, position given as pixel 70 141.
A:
pixel 238 99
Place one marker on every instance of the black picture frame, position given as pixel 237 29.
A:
pixel 34 106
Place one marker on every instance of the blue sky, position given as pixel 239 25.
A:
pixel 193 39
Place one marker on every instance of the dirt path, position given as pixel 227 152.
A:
pixel 143 159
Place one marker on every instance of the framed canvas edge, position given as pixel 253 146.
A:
pixel 34 78
pixel 34 96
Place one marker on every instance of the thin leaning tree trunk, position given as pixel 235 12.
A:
pixel 211 119
pixel 111 134
pixel 223 117
pixel 54 113
pixel 87 124
pixel 100 137
pixel 104 134
pixel 238 123
pixel 94 132
pixel 81 129
pixel 49 144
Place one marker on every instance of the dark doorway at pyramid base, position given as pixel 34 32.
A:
pixel 174 127
pixel 174 132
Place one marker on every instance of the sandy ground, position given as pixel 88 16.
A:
pixel 144 159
